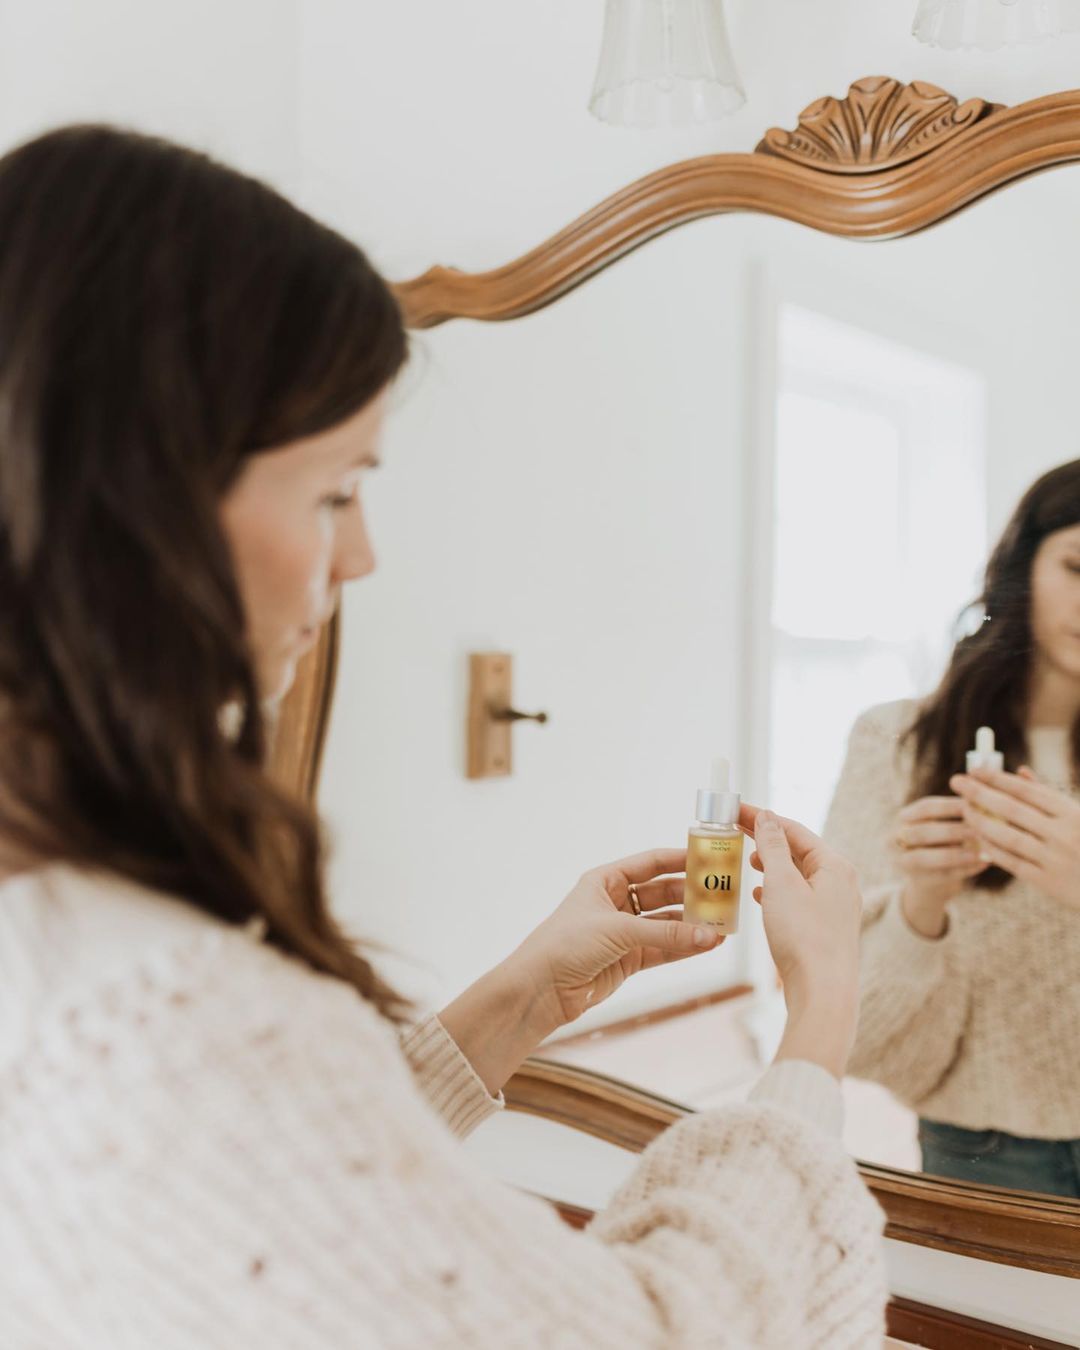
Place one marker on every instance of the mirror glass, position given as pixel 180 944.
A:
pixel 727 498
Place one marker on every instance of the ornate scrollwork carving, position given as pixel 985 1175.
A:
pixel 880 124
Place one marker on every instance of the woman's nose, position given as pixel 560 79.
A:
pixel 353 554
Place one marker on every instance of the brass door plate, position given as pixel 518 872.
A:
pixel 491 687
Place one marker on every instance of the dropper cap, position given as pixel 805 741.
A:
pixel 717 804
pixel 984 756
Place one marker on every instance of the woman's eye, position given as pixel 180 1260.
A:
pixel 1073 567
pixel 337 501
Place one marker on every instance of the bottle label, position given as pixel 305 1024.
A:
pixel 713 880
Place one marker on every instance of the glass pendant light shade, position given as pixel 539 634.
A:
pixel 989 24
pixel 665 62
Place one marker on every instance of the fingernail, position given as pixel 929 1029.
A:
pixel 767 818
pixel 704 937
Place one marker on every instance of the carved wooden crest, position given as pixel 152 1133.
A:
pixel 880 124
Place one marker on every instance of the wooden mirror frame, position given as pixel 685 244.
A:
pixel 887 160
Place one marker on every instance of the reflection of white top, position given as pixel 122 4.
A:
pixel 980 1028
pixel 204 1144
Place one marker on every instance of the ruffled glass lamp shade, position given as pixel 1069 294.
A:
pixel 989 24
pixel 665 62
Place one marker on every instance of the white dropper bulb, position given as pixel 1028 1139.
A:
pixel 985 755
pixel 721 775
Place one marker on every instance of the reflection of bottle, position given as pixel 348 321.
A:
pixel 985 756
pixel 714 851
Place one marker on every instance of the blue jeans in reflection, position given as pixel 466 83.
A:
pixel 1048 1166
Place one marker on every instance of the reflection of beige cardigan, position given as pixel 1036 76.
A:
pixel 203 1144
pixel 982 1027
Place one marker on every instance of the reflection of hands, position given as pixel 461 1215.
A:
pixel 1032 831
pixel 594 942
pixel 811 906
pixel 937 855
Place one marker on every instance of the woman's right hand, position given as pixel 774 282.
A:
pixel 812 910
pixel 937 855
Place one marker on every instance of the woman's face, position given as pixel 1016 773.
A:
pixel 1055 601
pixel 295 524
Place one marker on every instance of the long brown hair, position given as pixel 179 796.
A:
pixel 987 679
pixel 162 317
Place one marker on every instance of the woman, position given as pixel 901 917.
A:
pixel 219 1125
pixel 971 930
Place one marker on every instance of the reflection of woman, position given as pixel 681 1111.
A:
pixel 209 1132
pixel 971 938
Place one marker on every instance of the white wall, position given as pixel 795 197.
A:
pixel 219 74
pixel 552 486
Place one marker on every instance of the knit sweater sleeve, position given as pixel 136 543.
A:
pixel 229 1150
pixel 446 1078
pixel 913 990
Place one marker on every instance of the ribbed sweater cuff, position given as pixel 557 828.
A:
pixel 806 1090
pixel 446 1077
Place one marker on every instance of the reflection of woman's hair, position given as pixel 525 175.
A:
pixel 986 683
pixel 161 319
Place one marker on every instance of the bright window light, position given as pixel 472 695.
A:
pixel 879 536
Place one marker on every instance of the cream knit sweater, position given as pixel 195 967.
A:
pixel 203 1144
pixel 981 1027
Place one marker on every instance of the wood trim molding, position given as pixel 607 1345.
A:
pixel 886 160
pixel 1013 1228
pixel 1008 1227
pixel 585 1100
pixel 300 733
pixel 939 1329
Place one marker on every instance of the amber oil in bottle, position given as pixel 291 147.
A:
pixel 714 855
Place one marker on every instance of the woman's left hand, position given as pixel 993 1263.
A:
pixel 594 941
pixel 1031 830
pixel 575 959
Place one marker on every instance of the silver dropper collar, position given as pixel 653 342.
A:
pixel 717 804
pixel 717 808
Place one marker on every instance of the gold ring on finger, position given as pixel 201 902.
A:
pixel 635 903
